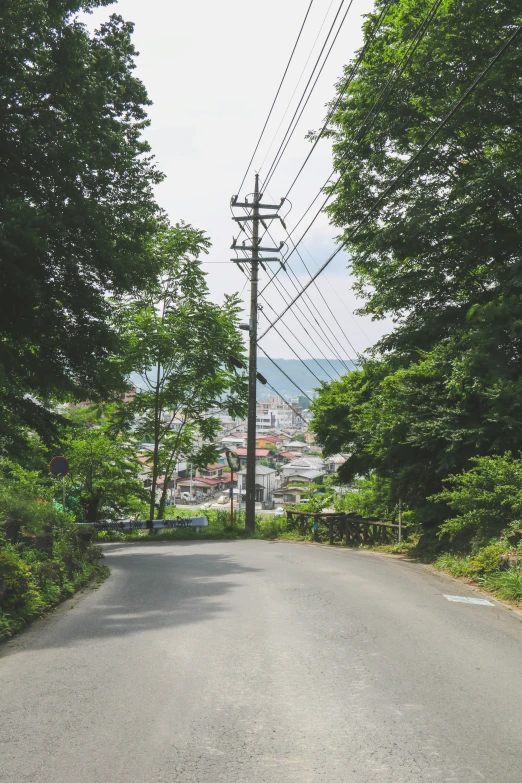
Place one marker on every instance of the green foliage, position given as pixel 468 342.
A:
pixel 77 203
pixel 180 343
pixel 487 499
pixel 267 526
pixel 487 559
pixel 456 565
pixel 103 482
pixel 447 238
pixel 440 256
pixel 368 497
pixel 506 584
pixel 43 557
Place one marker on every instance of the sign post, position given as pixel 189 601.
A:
pixel 59 468
pixel 234 464
pixel 400 520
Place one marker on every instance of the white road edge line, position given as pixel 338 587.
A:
pixel 464 599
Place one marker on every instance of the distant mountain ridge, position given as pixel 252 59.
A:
pixel 302 373
pixel 298 372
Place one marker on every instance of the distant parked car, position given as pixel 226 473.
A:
pixel 222 500
pixel 279 512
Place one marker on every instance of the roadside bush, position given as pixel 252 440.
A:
pixel 43 557
pixel 506 584
pixel 487 500
pixel 487 559
pixel 456 565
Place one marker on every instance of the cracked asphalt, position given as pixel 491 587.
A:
pixel 264 662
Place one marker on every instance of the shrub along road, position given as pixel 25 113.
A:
pixel 257 662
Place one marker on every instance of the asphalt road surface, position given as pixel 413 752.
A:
pixel 257 662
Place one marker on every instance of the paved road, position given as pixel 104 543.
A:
pixel 256 662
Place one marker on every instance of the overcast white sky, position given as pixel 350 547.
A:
pixel 212 70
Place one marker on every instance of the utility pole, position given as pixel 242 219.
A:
pixel 255 259
pixel 250 516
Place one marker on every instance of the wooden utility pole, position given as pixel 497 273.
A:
pixel 254 216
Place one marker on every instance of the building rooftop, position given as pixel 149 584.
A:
pixel 242 452
pixel 306 462
pixel 261 470
pixel 309 474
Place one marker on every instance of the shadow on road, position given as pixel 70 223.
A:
pixel 151 588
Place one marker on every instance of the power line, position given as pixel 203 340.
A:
pixel 326 340
pixel 268 176
pixel 347 83
pixel 322 369
pixel 311 301
pixel 276 162
pixel 284 373
pixel 287 403
pixel 409 165
pixel 297 85
pixel 276 96
pixel 385 92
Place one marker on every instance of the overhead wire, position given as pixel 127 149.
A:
pixel 268 176
pixel 284 267
pixel 326 341
pixel 276 95
pixel 456 106
pixel 371 114
pixel 291 132
pixel 303 362
pixel 346 84
pixel 297 85
pixel 285 374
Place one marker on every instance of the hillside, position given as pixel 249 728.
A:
pixel 299 373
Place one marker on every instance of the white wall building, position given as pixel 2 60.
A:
pixel 265 482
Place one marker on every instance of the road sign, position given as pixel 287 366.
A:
pixel 59 467
pixel 234 463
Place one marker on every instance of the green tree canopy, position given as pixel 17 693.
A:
pixel 104 470
pixel 76 202
pixel 447 238
pixel 180 343
pixel 441 253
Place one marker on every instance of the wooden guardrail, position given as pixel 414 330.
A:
pixel 351 529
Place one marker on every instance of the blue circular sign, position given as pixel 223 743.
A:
pixel 59 467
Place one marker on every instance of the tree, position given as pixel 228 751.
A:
pixel 447 238
pixel 441 254
pixel 181 344
pixel 77 205
pixel 104 470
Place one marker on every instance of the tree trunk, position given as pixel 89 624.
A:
pixel 163 498
pixel 155 455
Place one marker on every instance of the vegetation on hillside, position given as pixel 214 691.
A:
pixel 433 415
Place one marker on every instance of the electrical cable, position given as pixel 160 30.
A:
pixel 267 178
pixel 311 302
pixel 276 96
pixel 276 162
pixel 348 81
pixel 297 85
pixel 385 93
pixel 285 374
pixel 456 106
pixel 324 339
pixel 322 369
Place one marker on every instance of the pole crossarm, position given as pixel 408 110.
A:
pixel 243 246
pixel 246 218
pixel 248 204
